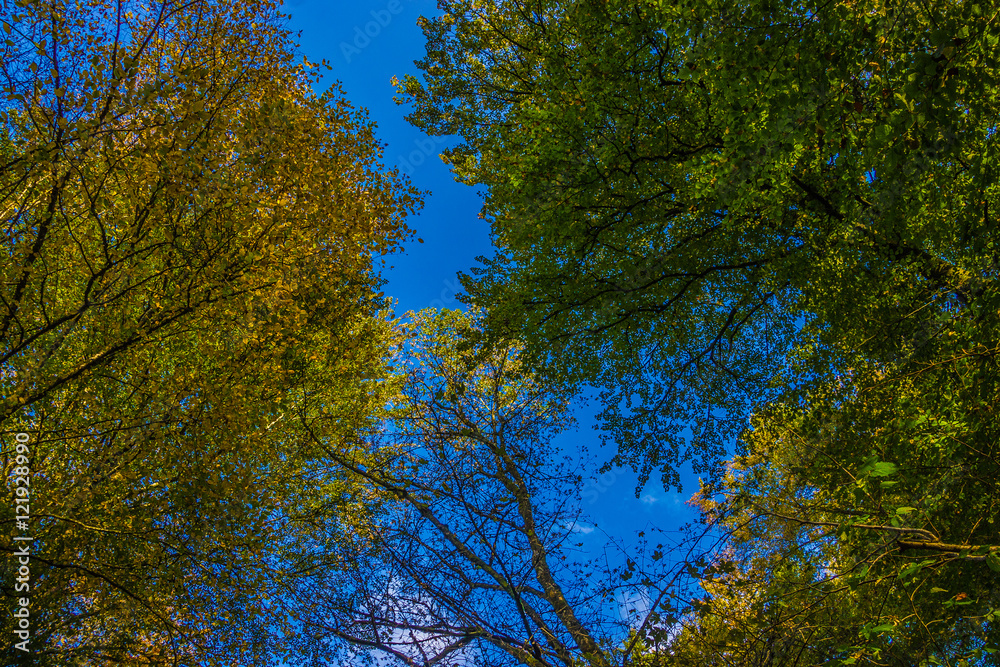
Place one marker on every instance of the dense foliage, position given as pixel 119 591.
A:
pixel 768 228
pixel 764 230
pixel 188 238
pixel 675 187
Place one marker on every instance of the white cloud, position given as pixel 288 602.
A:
pixel 633 607
pixel 580 528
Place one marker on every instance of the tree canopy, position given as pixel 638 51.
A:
pixel 473 556
pixel 686 196
pixel 765 229
pixel 190 237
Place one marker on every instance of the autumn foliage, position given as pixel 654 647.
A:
pixel 189 235
pixel 763 230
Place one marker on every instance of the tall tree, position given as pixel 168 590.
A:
pixel 717 209
pixel 471 557
pixel 864 520
pixel 676 188
pixel 189 235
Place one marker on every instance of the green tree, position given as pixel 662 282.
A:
pixel 716 210
pixel 864 520
pixel 678 188
pixel 188 239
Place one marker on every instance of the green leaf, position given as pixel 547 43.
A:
pixel 993 560
pixel 883 469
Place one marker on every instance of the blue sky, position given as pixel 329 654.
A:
pixel 425 276
pixel 367 43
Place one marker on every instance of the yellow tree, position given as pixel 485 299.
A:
pixel 188 239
